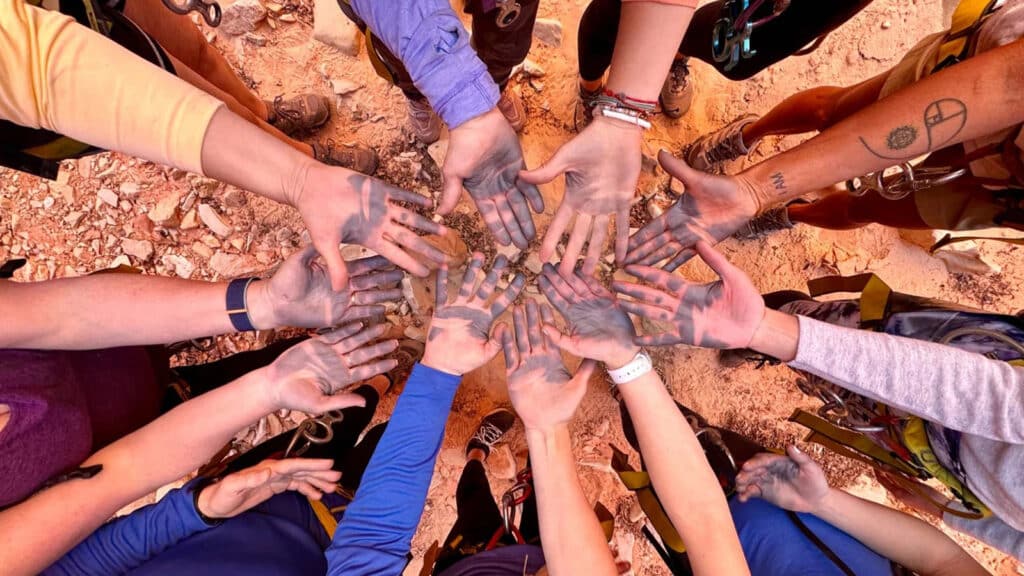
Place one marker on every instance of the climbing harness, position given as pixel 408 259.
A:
pixel 208 9
pixel 730 39
pixel 909 179
pixel 313 430
pixel 511 507
pixel 508 13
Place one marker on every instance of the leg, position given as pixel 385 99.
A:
pixel 502 49
pixel 183 41
pixel 843 211
pixel 355 461
pixel 599 26
pixel 478 516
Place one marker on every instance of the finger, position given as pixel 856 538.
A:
pixel 367 371
pixel 668 282
pixel 376 296
pixel 290 466
pixel 411 219
pixel 321 484
pixel 586 370
pixel 752 491
pixel 532 193
pixel 417 244
pixel 342 400
pixel 367 265
pixel 364 312
pixel 555 230
pixel 596 288
pixel 575 281
pixel 522 338
pixel 470 278
pixel 510 222
pixel 509 347
pixel 798 456
pixel 562 341
pixel 666 339
pixel 441 288
pixel 336 335
pixel 306 255
pixel 408 197
pixel 490 281
pixel 401 258
pixel 552 295
pixel 522 214
pixel 678 169
pixel 335 263
pixel 492 347
pixel 621 235
pixel 493 219
pixel 669 250
pixel 760 461
pixel 682 258
pixel 533 325
pixel 451 193
pixel 357 340
pixel 644 294
pixel 548 171
pixel 598 237
pixel 367 353
pixel 557 281
pixel 580 232
pixel 306 489
pixel 547 315
pixel 646 310
pixel 509 296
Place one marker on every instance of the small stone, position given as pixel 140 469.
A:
pixel 230 265
pixel 289 17
pixel 343 86
pixel 165 212
pixel 73 219
pixel 84 167
pixel 635 513
pixel 210 240
pixel 332 27
pixel 65 191
pixel 108 196
pixel 129 189
pixel 533 263
pixel 548 31
pixel 284 235
pixel 511 252
pixel 121 260
pixel 886 25
pixel 202 250
pixel 233 198
pixel 142 250
pixel 237 243
pixel 180 265
pixel 532 70
pixel 265 257
pixel 649 164
pixel 438 150
pixel 48 202
pixel 190 221
pixel 242 16
pixel 274 7
pixel 213 221
pixel 255 39
pixel 414 333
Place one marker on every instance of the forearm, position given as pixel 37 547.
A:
pixel 900 537
pixel 573 540
pixel 647 42
pixel 110 310
pixel 979 96
pixel 165 450
pixel 686 485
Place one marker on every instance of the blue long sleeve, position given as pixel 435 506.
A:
pixel 431 41
pixel 127 542
pixel 376 532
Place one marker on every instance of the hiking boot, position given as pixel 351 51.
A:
pixel 511 107
pixel 584 113
pixel 765 223
pixel 492 429
pixel 351 156
pixel 425 124
pixel 302 113
pixel 710 150
pixel 677 92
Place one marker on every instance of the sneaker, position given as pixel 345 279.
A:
pixel 492 429
pixel 511 107
pixel 765 223
pixel 425 124
pixel 677 92
pixel 299 114
pixel 710 150
pixel 584 113
pixel 351 156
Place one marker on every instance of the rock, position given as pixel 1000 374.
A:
pixel 255 39
pixel 202 250
pixel 108 196
pixel 210 240
pixel 533 263
pixel 84 165
pixel 343 86
pixel 65 191
pixel 409 293
pixel 230 265
pixel 332 27
pixel 190 221
pixel 142 250
pixel 165 213
pixel 501 463
pixel 48 202
pixel 649 164
pixel 886 25
pixel 121 260
pixel 531 69
pixel 438 150
pixel 142 225
pixel 548 31
pixel 129 189
pixel 289 17
pixel 351 252
pixel 234 198
pixel 416 334
pixel 242 16
pixel 213 221
pixel 179 265
pixel 511 252
pixel 73 219
pixel 635 513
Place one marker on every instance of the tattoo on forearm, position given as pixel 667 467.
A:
pixel 779 181
pixel 943 120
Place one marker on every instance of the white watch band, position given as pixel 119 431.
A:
pixel 637 367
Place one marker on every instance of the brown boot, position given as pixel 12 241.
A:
pixel 351 156
pixel 302 113
pixel 425 124
pixel 511 106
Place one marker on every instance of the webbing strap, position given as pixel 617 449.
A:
pixel 966 17
pixel 323 514
pixel 950 239
pixel 828 434
pixel 875 294
pixel 640 483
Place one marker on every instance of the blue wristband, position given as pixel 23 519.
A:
pixel 237 310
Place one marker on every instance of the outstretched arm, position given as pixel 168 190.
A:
pixel 304 378
pixel 795 482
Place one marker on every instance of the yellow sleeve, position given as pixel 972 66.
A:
pixel 61 76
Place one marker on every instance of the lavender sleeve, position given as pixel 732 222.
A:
pixel 991 531
pixel 431 41
pixel 957 389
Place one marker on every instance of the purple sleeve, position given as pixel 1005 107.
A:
pixel 431 41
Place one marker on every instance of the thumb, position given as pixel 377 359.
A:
pixel 339 401
pixel 548 171
pixel 493 345
pixel 336 267
pixel 586 370
pixel 450 194
pixel 678 169
pixel 562 341
pixel 798 456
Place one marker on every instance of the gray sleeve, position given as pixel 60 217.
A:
pixel 991 531
pixel 957 389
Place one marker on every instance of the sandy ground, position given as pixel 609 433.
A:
pixel 66 229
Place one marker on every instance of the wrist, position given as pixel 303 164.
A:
pixel 434 363
pixel 260 305
pixel 826 506
pixel 620 359
pixel 620 127
pixel 295 185
pixel 543 439
pixel 777 335
pixel 765 186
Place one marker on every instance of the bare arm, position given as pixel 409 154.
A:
pixel 648 39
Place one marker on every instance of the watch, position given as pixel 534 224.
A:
pixel 637 367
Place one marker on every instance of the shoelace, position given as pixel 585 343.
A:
pixel 288 114
pixel 488 433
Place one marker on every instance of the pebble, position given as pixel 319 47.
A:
pixel 165 212
pixel 73 219
pixel 202 250
pixel 213 221
pixel 409 293
pixel 333 28
pixel 108 196
pixel 438 150
pixel 121 260
pixel 531 69
pixel 181 266
pixel 255 39
pixel 242 16
pixel 48 202
pixel 233 198
pixel 210 240
pixel 886 25
pixel 289 17
pixel 533 263
pixel 142 250
pixel 548 31
pixel 190 221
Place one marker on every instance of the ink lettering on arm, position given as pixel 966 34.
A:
pixel 943 120
pixel 779 181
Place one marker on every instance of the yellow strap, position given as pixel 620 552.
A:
pixel 915 438
pixel 950 239
pixel 58 149
pixel 635 480
pixel 874 293
pixel 640 482
pixel 965 18
pixel 324 516
pixel 828 434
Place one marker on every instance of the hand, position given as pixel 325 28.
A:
pixel 601 166
pixel 711 209
pixel 598 327
pixel 300 294
pixel 723 314
pixel 458 340
pixel 253 486
pixel 484 156
pixel 307 376
pixel 794 483
pixel 541 388
pixel 340 205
